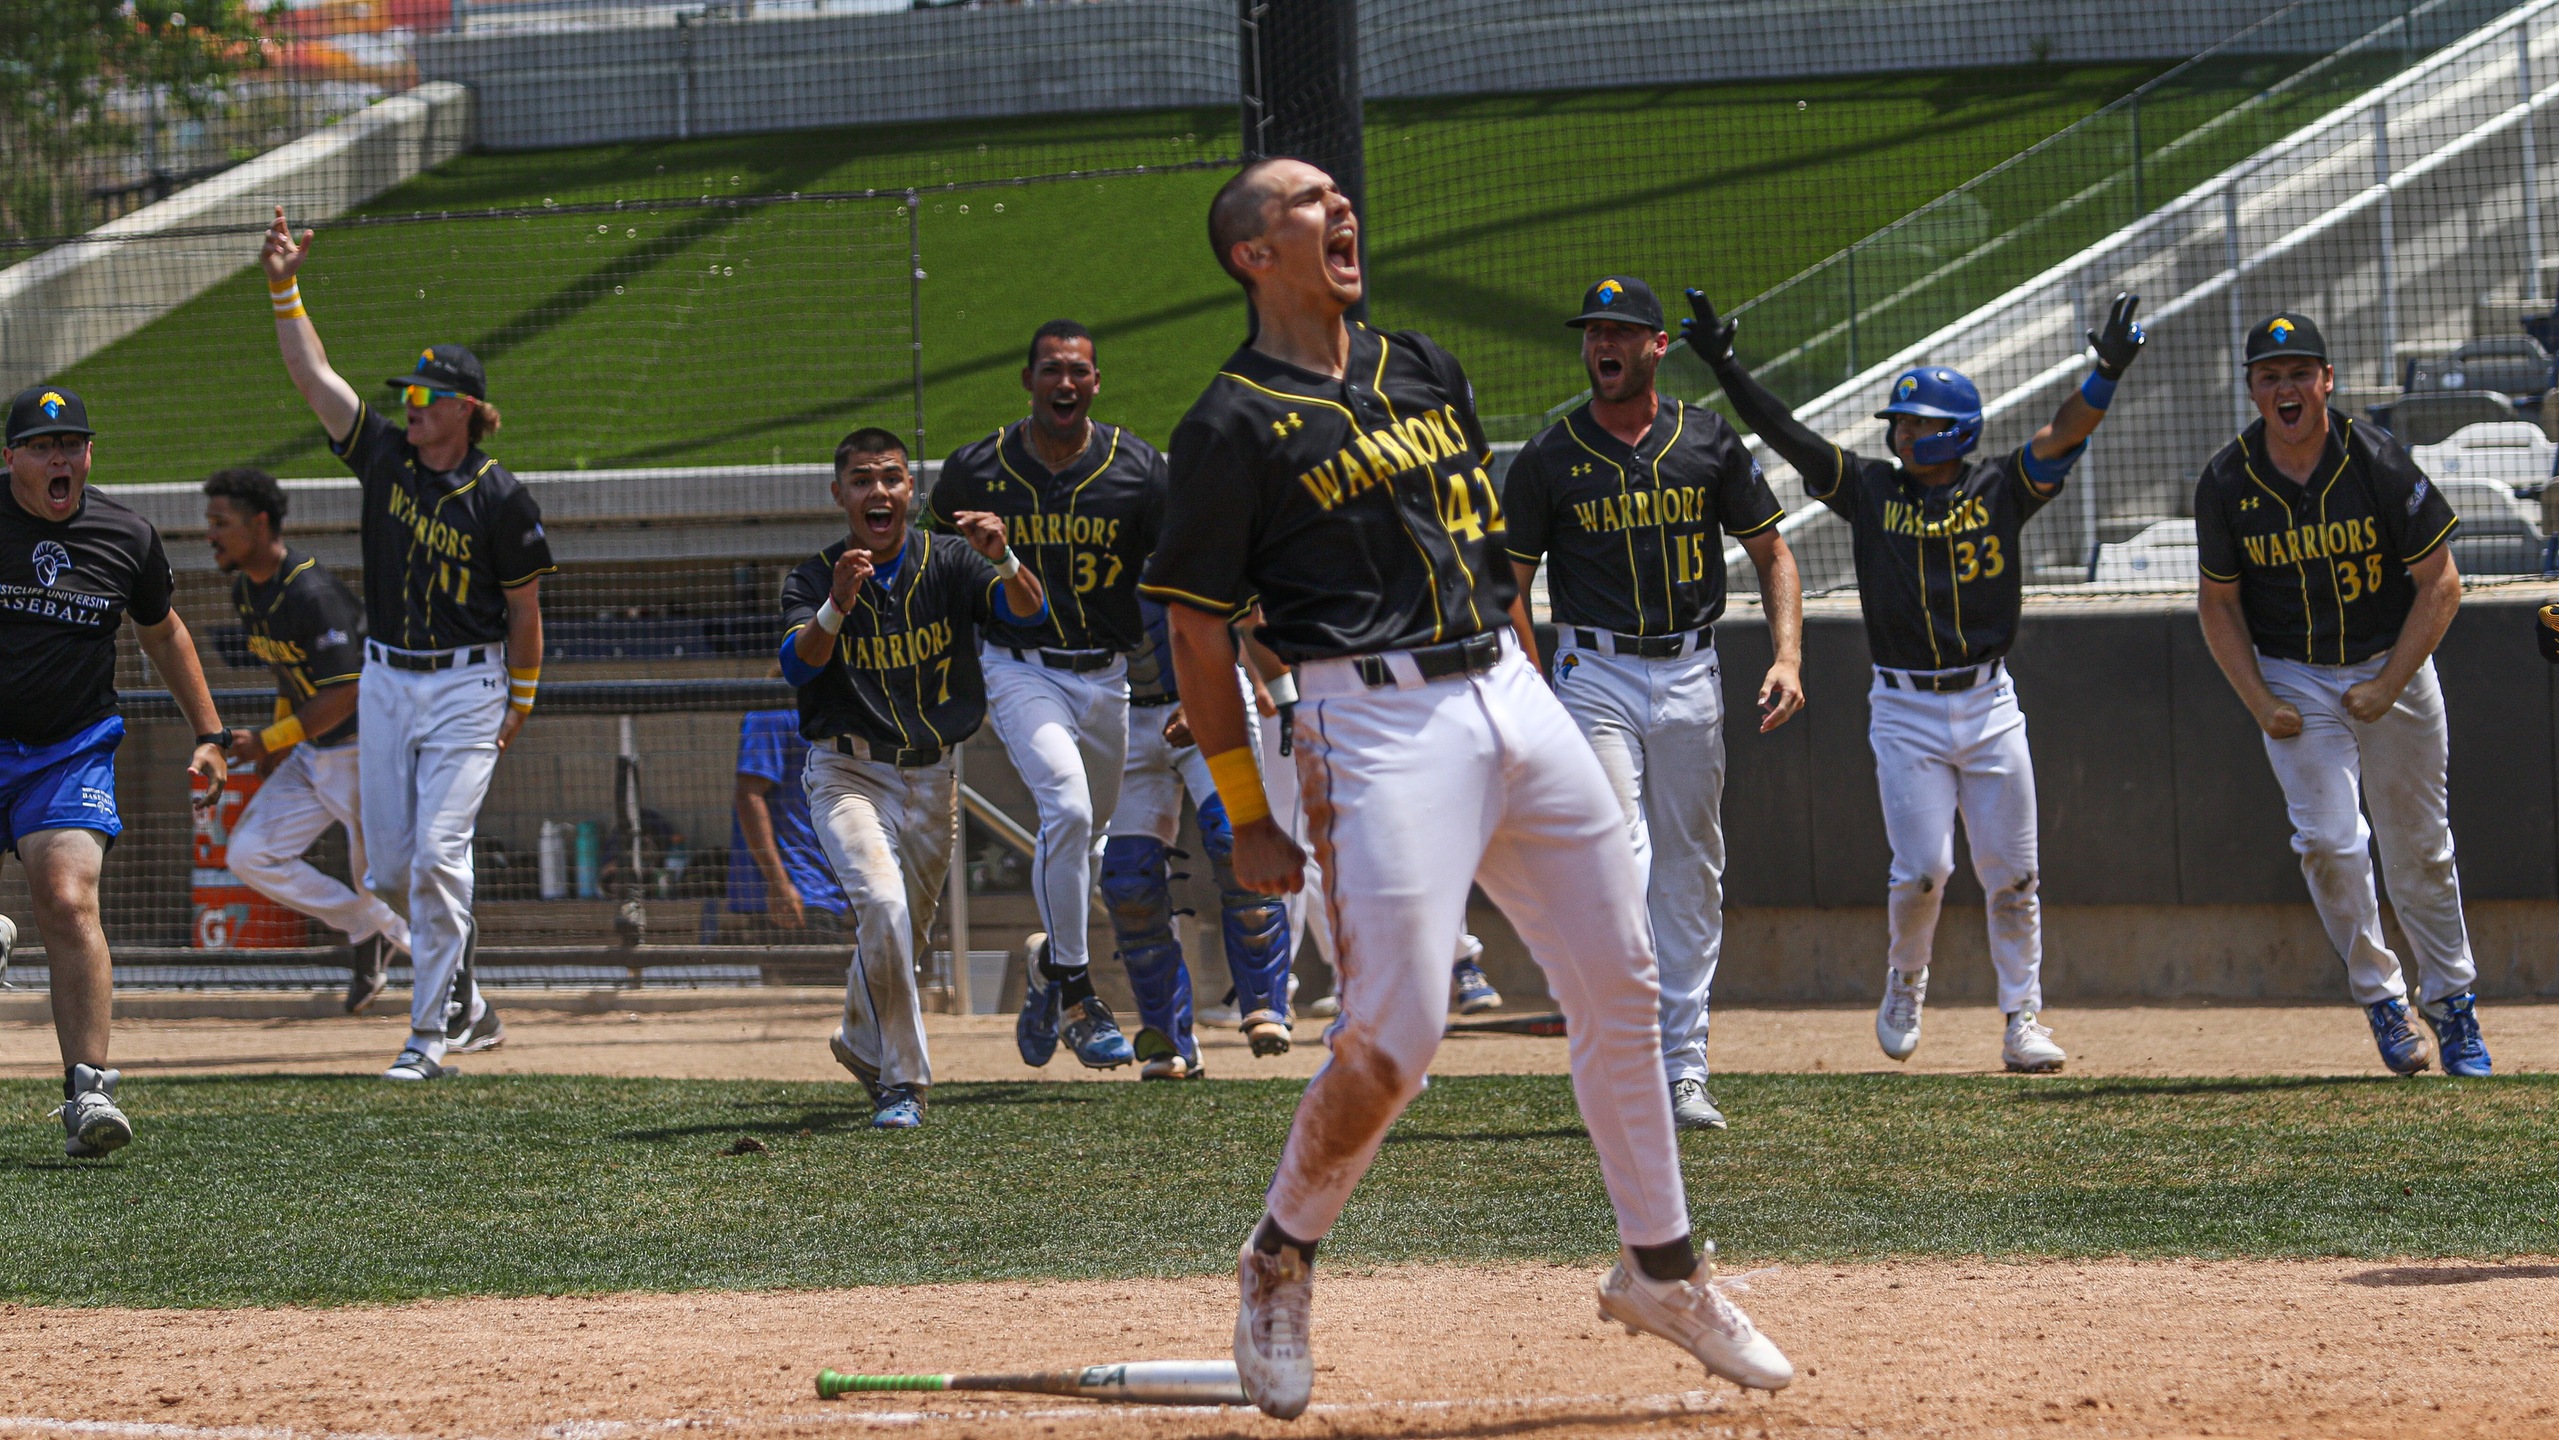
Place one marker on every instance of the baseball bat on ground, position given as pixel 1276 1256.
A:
pixel 1138 1382
pixel 1512 1025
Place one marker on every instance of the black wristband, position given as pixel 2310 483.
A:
pixel 220 738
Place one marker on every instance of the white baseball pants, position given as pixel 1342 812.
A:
pixel 1067 735
pixel 2395 765
pixel 1155 778
pixel 1658 729
pixel 888 832
pixel 428 741
pixel 1963 752
pixel 310 790
pixel 1413 791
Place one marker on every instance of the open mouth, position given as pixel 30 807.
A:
pixel 877 517
pixel 1610 367
pixel 58 490
pixel 2289 412
pixel 1063 404
pixel 1341 253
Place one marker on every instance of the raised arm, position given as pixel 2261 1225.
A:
pixel 1817 460
pixel 329 395
pixel 2118 344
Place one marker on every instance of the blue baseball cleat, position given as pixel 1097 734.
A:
pixel 1035 1030
pixel 898 1109
pixel 2401 1050
pixel 2455 1022
pixel 1095 1037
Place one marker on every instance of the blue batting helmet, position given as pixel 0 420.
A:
pixel 1936 393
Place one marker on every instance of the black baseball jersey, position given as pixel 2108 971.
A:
pixel 304 623
pixel 2322 568
pixel 1939 572
pixel 1636 532
pixel 905 669
pixel 440 550
pixel 64 591
pixel 1356 510
pixel 1085 531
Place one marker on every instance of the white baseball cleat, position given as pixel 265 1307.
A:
pixel 2029 1048
pixel 1897 1019
pixel 1695 1316
pixel 1272 1318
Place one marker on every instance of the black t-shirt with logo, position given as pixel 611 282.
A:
pixel 304 623
pixel 64 592
pixel 905 669
pixel 2322 568
pixel 1940 578
pixel 1636 533
pixel 440 550
pixel 1085 530
pixel 1356 510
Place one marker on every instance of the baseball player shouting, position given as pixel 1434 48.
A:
pixel 1938 580
pixel 454 557
pixel 1633 495
pixel 2326 586
pixel 304 623
pixel 1083 501
pixel 881 642
pixel 1336 473
pixel 74 565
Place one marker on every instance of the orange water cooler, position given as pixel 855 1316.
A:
pixel 228 914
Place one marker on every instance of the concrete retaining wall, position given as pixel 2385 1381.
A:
pixel 713 78
pixel 77 298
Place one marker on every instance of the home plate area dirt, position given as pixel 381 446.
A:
pixel 1965 1349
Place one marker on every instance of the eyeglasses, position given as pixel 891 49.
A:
pixel 420 397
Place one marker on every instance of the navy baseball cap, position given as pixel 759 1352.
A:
pixel 47 410
pixel 1620 297
pixel 447 367
pixel 2281 336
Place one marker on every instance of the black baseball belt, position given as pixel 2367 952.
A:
pixel 898 755
pixel 1079 661
pixel 1150 702
pixel 1473 655
pixel 1939 682
pixel 1643 647
pixel 431 659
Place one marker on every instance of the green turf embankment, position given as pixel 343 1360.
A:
pixel 273 1190
pixel 754 334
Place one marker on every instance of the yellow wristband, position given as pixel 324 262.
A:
pixel 1239 785
pixel 287 299
pixel 283 735
pixel 521 686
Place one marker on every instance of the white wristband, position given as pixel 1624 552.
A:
pixel 1009 566
pixel 829 619
pixel 1283 690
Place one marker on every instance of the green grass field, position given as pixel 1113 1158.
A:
pixel 258 1191
pixel 745 334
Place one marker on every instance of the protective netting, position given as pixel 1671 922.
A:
pixel 695 245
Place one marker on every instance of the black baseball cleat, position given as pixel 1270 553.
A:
pixel 486 1033
pixel 370 970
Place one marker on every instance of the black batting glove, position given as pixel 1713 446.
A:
pixel 2118 342
pixel 1709 336
pixel 1288 729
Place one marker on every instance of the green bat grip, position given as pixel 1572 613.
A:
pixel 831 1384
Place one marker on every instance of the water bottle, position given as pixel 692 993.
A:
pixel 590 860
pixel 555 859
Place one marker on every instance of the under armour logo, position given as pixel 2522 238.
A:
pixel 1581 469
pixel 1293 422
pixel 50 561
pixel 2249 504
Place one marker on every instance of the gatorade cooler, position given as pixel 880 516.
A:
pixel 228 914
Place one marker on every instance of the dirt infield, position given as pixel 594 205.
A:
pixel 787 1041
pixel 1957 1350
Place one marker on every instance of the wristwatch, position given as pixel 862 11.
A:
pixel 218 738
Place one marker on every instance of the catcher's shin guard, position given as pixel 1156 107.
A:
pixel 1256 926
pixel 1135 884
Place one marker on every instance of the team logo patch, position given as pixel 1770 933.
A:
pixel 1908 387
pixel 1609 290
pixel 1564 667
pixel 51 402
pixel 2280 331
pixel 425 356
pixel 50 561
pixel 2417 497
pixel 333 637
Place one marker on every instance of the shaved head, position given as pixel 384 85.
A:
pixel 1241 212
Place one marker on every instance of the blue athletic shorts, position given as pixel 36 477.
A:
pixel 67 785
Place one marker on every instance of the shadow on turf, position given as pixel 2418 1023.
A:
pixel 816 1121
pixel 2404 1275
pixel 1483 1137
pixel 2123 1089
